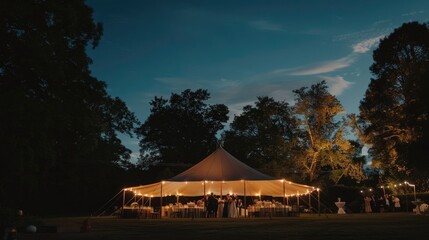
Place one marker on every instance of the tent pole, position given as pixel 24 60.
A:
pixel 318 201
pixel 244 202
pixel 284 192
pixel 205 199
pixel 297 199
pixel 284 197
pixel 160 203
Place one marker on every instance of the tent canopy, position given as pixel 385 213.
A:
pixel 220 166
pixel 221 173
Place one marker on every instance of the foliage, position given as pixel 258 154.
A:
pixel 58 125
pixel 264 136
pixel 180 130
pixel 322 138
pixel 304 140
pixel 393 116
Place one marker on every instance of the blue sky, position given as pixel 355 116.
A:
pixel 239 50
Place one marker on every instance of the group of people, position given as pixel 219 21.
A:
pixel 384 203
pixel 228 207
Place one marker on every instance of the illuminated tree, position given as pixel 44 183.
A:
pixel 323 145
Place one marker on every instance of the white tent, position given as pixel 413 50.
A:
pixel 221 173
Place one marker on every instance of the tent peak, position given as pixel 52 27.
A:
pixel 220 166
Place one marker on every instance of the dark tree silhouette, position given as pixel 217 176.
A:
pixel 394 116
pixel 181 130
pixel 58 125
pixel 264 136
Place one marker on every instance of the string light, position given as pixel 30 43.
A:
pixel 405 183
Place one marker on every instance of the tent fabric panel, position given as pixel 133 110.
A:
pixel 269 188
pixel 153 189
pixel 220 166
pixel 183 188
pixel 275 188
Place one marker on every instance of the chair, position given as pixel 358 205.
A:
pixel 176 212
pixel 267 212
pixel 279 211
pixel 155 213
pixel 295 211
pixel 192 211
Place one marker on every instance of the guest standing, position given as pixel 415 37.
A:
pixel 232 211
pixel 220 206
pixel 211 206
pixel 367 201
pixel 387 204
pixel 226 206
pixel 239 206
pixel 397 204
pixel 380 204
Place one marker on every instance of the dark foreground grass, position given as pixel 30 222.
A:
pixel 351 226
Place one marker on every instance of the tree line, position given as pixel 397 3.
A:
pixel 60 150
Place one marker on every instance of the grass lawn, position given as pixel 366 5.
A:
pixel 326 226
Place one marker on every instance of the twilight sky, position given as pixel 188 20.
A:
pixel 239 50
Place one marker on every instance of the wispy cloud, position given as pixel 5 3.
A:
pixel 336 84
pixel 278 83
pixel 266 25
pixel 366 45
pixel 243 93
pixel 176 83
pixel 412 13
pixel 324 67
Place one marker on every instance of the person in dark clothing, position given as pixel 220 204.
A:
pixel 380 204
pixel 387 203
pixel 211 206
pixel 226 206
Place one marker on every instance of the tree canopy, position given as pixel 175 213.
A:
pixel 58 125
pixel 323 144
pixel 306 141
pixel 180 130
pixel 393 117
pixel 263 136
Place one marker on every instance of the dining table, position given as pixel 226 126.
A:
pixel 182 211
pixel 418 203
pixel 340 206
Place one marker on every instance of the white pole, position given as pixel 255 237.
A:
pixel 160 203
pixel 318 200
pixel 244 206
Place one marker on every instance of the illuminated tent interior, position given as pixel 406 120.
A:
pixel 221 173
